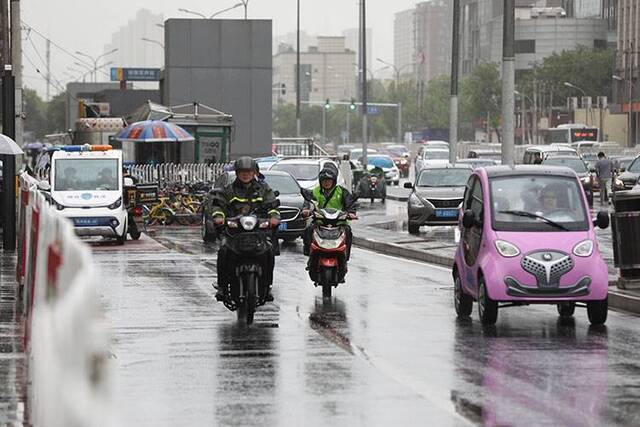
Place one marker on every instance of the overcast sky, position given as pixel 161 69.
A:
pixel 87 25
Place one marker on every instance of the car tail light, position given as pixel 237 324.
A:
pixel 137 211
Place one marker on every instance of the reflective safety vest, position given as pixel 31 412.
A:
pixel 333 202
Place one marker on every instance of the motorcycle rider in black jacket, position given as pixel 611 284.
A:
pixel 243 196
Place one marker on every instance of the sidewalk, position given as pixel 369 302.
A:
pixel 13 370
pixel 387 234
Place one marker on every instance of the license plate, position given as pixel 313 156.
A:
pixel 447 213
pixel 283 226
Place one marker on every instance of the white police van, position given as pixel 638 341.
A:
pixel 86 187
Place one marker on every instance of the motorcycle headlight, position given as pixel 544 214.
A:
pixel 583 249
pixel 248 222
pixel 586 179
pixel 415 201
pixel 403 161
pixel 116 204
pixel 506 249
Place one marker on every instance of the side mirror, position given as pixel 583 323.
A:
pixel 623 169
pixel 276 193
pixel 44 186
pixel 408 185
pixel 602 220
pixel 306 194
pixel 468 219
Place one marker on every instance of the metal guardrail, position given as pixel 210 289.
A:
pixel 171 173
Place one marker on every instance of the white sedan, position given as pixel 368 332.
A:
pixel 306 171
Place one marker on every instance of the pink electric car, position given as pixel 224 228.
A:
pixel 527 238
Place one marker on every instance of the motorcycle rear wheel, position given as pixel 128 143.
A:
pixel 326 279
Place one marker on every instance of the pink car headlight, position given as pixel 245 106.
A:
pixel 583 249
pixel 506 249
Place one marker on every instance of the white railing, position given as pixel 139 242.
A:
pixel 171 173
pixel 65 335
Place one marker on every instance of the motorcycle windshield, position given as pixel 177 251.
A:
pixel 329 233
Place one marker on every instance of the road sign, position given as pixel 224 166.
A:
pixel 135 74
pixel 373 110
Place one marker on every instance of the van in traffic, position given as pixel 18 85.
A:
pixel 86 187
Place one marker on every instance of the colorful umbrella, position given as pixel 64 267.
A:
pixel 154 131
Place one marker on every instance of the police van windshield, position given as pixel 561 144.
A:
pixel 86 175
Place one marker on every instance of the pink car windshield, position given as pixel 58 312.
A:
pixel 537 203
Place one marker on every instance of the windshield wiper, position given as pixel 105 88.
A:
pixel 536 216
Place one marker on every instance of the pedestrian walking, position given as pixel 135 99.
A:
pixel 603 172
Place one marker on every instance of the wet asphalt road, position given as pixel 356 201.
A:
pixel 387 350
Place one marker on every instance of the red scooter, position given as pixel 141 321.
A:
pixel 328 251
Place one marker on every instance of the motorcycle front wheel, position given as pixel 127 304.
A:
pixel 247 308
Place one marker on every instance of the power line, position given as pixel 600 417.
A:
pixel 74 56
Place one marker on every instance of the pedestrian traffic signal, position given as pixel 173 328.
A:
pixel 327 104
pixel 352 107
pixel 284 89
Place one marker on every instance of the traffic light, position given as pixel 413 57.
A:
pixel 352 107
pixel 327 104
pixel 283 87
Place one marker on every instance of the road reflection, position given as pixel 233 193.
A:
pixel 552 374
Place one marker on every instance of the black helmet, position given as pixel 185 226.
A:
pixel 245 163
pixel 328 173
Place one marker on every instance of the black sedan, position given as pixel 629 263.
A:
pixel 579 167
pixel 628 178
pixel 292 223
pixel 437 195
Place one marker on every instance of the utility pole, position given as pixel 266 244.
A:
pixel 630 138
pixel 16 60
pixel 48 76
pixel 453 111
pixel 399 122
pixel 534 115
pixel 298 85
pixel 8 129
pixel 363 55
pixel 508 83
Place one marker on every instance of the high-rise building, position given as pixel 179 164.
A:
pixel 422 40
pixel 543 27
pixel 133 51
pixel 326 72
pixel 352 42
pixel 290 39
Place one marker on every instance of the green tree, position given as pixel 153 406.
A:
pixel 36 113
pixel 587 68
pixel 481 95
pixel 56 115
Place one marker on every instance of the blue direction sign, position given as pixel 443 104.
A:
pixel 373 110
pixel 135 74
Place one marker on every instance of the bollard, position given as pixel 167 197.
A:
pixel 625 227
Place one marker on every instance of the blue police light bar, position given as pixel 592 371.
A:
pixel 85 147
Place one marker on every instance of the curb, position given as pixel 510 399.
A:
pixel 617 300
pixel 397 198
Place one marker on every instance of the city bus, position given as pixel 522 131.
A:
pixel 570 133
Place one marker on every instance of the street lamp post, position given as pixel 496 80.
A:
pixel 523 113
pixel 203 16
pixel 629 117
pixel 588 109
pixel 95 60
pixel 153 41
pixel 396 70
pixel 298 84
